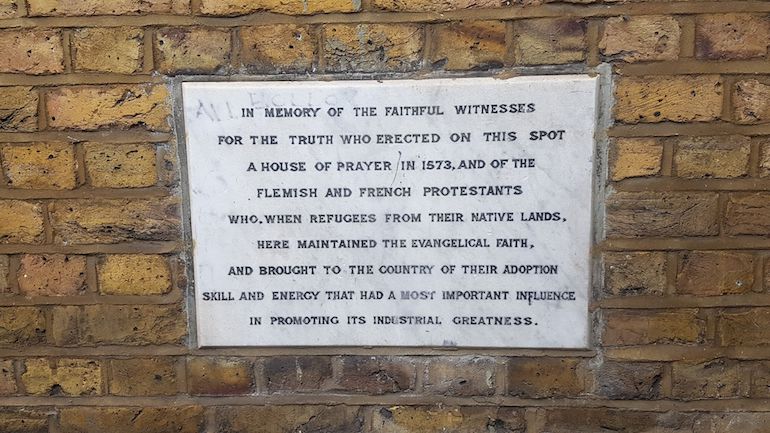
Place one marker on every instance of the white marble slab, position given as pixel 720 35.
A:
pixel 426 205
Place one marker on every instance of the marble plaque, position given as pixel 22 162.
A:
pixel 437 212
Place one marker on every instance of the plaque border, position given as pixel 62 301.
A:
pixel 603 121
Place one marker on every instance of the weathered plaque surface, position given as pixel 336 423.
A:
pixel 443 212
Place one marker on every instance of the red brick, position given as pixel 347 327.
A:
pixel 729 36
pixel 297 373
pixel 52 275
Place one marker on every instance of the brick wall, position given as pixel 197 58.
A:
pixel 93 277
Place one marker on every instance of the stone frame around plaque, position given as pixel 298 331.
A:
pixel 603 121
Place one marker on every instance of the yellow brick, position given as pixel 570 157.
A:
pixel 282 47
pixel 712 273
pixel 120 165
pixel 131 324
pixel 20 222
pixel 443 418
pixel 764 160
pixel 719 157
pixel 22 326
pixel 668 98
pixel 635 157
pixel 31 51
pixel 18 109
pixel 549 41
pixel 434 5
pixel 290 7
pixel 176 419
pixel 134 275
pixel 191 50
pixel 641 38
pixel 743 327
pixel 113 49
pixel 652 327
pixel 373 47
pixel 747 214
pixel 99 7
pixel 111 221
pixel 550 377
pixel 7 378
pixel 143 377
pixel 40 166
pixel 634 273
pixel 468 45
pixel 220 376
pixel 8 8
pixel 62 376
pixel 751 102
pixel 4 267
pixel 662 214
pixel 122 106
